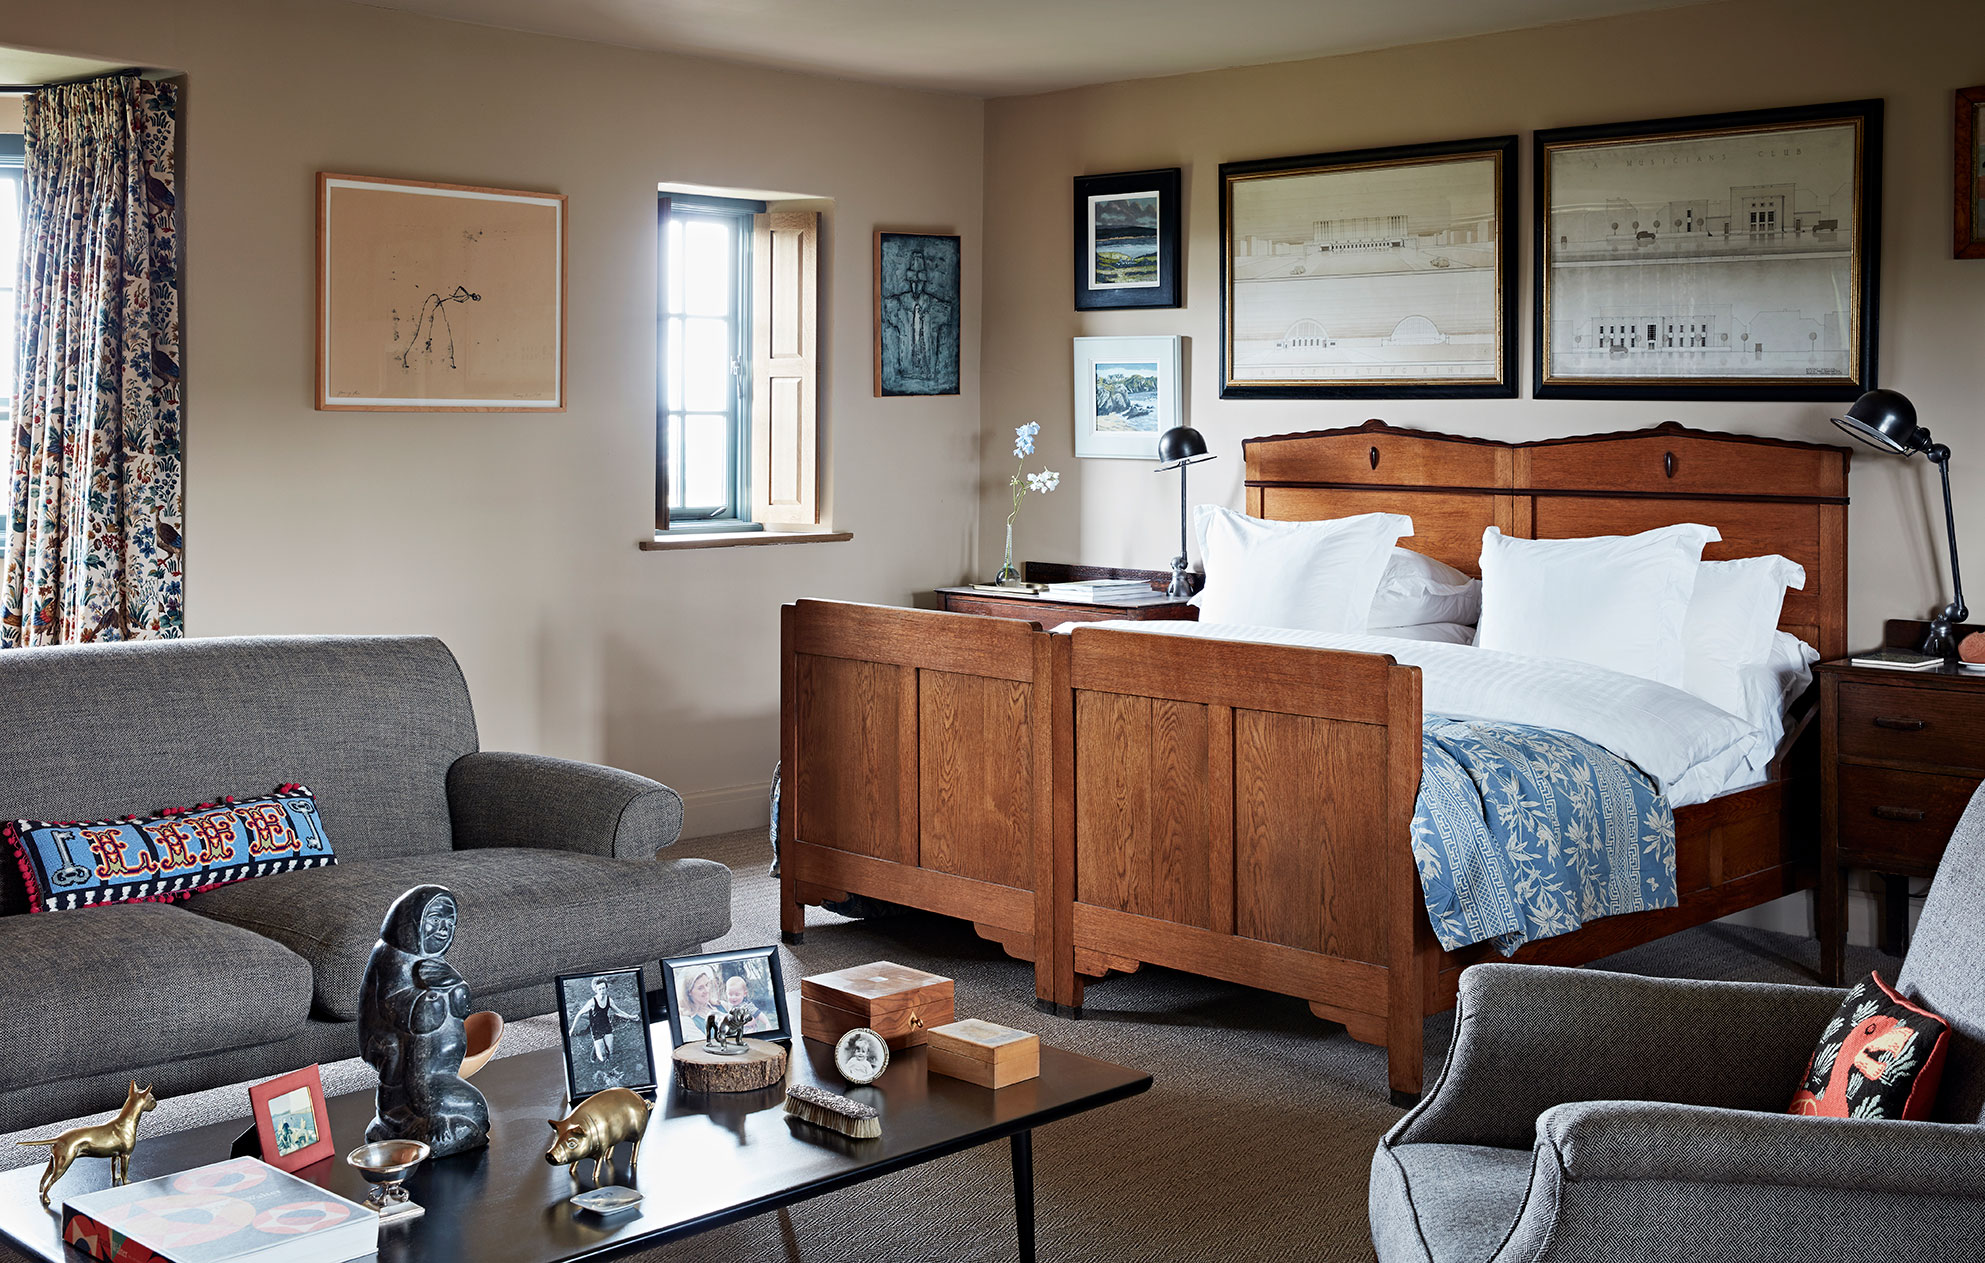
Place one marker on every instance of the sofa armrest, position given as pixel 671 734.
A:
pixel 529 800
pixel 1693 1144
pixel 1528 1037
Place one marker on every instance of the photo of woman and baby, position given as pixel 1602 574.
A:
pixel 706 987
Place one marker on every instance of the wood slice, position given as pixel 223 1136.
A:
pixel 760 1066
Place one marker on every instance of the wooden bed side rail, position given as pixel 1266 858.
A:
pixel 917 762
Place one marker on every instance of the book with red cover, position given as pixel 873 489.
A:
pixel 241 1209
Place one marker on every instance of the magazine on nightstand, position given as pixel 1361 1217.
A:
pixel 1899 660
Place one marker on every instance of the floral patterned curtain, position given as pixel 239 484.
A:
pixel 93 461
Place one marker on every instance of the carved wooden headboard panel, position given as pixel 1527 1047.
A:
pixel 1766 495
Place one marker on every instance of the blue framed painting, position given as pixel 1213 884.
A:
pixel 1127 240
pixel 916 314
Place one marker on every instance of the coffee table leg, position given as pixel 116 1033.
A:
pixel 1023 1192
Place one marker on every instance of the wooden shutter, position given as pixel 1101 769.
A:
pixel 785 263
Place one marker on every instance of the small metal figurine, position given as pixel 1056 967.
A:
pixel 411 1008
pixel 114 1140
pixel 723 1033
pixel 602 1121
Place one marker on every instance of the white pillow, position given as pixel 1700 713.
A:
pixel 1615 601
pixel 1750 689
pixel 1317 576
pixel 1442 633
pixel 1416 589
pixel 1732 618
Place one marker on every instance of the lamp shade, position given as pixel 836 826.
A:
pixel 1885 419
pixel 1181 445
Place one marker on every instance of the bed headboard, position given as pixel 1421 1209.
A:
pixel 1765 495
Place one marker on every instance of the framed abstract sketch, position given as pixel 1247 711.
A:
pixel 1127 240
pixel 1969 215
pixel 439 297
pixel 916 314
pixel 1725 256
pixel 1374 273
pixel 1126 395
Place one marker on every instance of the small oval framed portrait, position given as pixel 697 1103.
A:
pixel 861 1055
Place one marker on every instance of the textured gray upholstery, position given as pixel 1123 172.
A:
pixel 1648 1117
pixel 1945 969
pixel 370 723
pixel 526 915
pixel 528 800
pixel 100 989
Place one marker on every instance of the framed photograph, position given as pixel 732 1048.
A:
pixel 1724 256
pixel 603 1030
pixel 861 1055
pixel 1370 274
pixel 1969 215
pixel 1127 393
pixel 916 314
pixel 292 1126
pixel 439 297
pixel 706 986
pixel 1127 234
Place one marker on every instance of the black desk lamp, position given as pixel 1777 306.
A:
pixel 1887 420
pixel 1178 447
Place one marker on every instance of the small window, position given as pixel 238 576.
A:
pixel 11 203
pixel 703 449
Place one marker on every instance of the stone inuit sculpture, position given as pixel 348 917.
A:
pixel 410 1011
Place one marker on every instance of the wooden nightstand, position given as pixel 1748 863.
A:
pixel 1900 754
pixel 1052 613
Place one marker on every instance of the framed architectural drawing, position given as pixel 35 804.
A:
pixel 439 297
pixel 1968 217
pixel 1725 256
pixel 1127 393
pixel 1376 274
pixel 1127 240
pixel 916 314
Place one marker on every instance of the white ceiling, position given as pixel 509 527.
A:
pixel 19 67
pixel 1010 47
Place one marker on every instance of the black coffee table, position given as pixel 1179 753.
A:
pixel 708 1160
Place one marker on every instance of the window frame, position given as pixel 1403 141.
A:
pixel 736 514
pixel 13 164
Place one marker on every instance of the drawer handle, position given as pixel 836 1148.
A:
pixel 1907 815
pixel 1901 725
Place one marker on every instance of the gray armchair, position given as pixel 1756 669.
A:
pixel 1593 1116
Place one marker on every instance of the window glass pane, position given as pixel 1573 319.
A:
pixel 10 263
pixel 675 462
pixel 706 365
pixel 707 263
pixel 706 465
pixel 672 265
pixel 672 365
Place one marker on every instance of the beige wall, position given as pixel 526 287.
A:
pixel 513 537
pixel 1747 55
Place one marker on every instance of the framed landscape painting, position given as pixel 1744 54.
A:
pixel 1126 395
pixel 1375 273
pixel 439 297
pixel 916 314
pixel 1969 213
pixel 1127 235
pixel 1725 256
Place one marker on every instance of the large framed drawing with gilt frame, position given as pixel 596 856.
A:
pixel 1722 256
pixel 1370 274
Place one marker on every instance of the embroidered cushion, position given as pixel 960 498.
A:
pixel 1880 1057
pixel 82 863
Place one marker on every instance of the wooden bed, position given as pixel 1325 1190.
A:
pixel 1105 799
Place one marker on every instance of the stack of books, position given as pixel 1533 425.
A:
pixel 1099 590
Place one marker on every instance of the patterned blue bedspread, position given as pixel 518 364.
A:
pixel 1521 833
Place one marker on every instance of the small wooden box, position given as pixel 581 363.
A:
pixel 984 1053
pixel 895 1001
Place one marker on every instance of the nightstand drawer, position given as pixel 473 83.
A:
pixel 1048 614
pixel 1898 821
pixel 1896 724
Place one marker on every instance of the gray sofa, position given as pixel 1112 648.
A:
pixel 1594 1116
pixel 556 863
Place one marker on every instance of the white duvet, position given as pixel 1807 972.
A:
pixel 1694 751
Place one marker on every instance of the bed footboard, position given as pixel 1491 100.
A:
pixel 918 756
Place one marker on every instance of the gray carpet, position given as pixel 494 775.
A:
pixel 1253 1145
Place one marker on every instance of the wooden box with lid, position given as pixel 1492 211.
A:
pixel 984 1053
pixel 896 1002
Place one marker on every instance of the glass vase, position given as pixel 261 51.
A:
pixel 1008 573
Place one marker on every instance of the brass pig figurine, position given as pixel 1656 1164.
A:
pixel 602 1121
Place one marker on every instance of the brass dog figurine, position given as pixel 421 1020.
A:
pixel 602 1121
pixel 114 1140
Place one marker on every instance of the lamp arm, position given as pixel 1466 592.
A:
pixel 1955 611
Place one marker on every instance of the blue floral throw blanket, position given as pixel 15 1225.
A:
pixel 1521 833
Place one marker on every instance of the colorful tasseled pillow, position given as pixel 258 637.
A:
pixel 1880 1057
pixel 83 863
